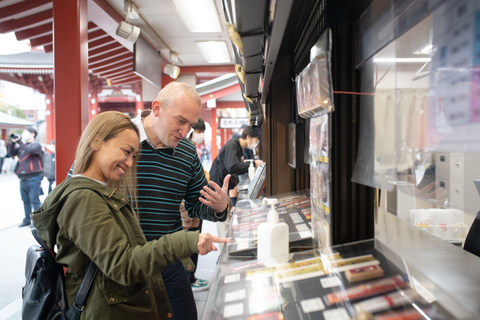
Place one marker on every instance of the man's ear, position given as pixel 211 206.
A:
pixel 96 142
pixel 156 107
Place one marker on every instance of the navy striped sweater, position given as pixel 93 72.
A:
pixel 166 176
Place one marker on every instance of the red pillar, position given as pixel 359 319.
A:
pixel 139 105
pixel 50 118
pixel 4 136
pixel 70 47
pixel 214 125
pixel 93 109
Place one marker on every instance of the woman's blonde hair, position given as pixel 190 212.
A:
pixel 104 127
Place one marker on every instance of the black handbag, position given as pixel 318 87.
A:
pixel 44 294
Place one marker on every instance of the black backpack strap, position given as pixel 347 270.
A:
pixel 74 312
pixel 41 242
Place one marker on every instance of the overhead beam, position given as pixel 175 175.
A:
pixel 35 32
pixel 121 64
pixel 107 56
pixel 100 43
pixel 23 8
pixel 92 53
pixel 42 41
pixel 14 25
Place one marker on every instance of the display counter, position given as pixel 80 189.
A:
pixel 404 273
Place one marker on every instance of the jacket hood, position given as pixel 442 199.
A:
pixel 44 219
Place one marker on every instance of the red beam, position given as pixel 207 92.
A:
pixel 128 81
pixel 123 75
pixel 220 93
pixel 113 73
pixel 42 41
pixel 104 50
pixel 14 25
pixel 102 69
pixel 97 34
pixel 48 48
pixel 100 43
pixel 34 32
pixel 208 69
pixel 92 26
pixel 132 76
pixel 108 56
pixel 23 8
pixel 113 60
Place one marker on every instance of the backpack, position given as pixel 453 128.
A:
pixel 44 294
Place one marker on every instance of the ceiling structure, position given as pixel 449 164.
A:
pixel 110 56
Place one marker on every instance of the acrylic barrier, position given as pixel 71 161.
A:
pixel 362 280
pixel 293 209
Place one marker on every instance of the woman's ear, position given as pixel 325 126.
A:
pixel 96 142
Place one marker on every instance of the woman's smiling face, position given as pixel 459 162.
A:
pixel 112 158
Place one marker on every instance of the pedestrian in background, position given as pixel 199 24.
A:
pixel 51 174
pixel 29 170
pixel 3 153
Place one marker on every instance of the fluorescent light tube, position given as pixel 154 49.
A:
pixel 401 60
pixel 214 51
pixel 199 15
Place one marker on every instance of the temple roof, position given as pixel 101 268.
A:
pixel 10 122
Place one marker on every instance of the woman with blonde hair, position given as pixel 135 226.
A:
pixel 89 220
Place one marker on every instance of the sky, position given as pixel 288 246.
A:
pixel 14 94
pixel 10 45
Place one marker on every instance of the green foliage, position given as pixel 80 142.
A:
pixel 12 110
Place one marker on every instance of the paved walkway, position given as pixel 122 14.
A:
pixel 15 241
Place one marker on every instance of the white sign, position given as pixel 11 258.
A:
pixel 231 123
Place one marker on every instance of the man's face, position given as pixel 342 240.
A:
pixel 172 123
pixel 27 136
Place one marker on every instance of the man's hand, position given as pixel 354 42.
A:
pixel 205 243
pixel 216 199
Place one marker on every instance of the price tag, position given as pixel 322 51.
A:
pixel 329 282
pixel 235 295
pixel 312 305
pixel 233 310
pixel 336 314
pixel 231 278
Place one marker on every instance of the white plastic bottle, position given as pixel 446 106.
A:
pixel 272 237
pixel 251 170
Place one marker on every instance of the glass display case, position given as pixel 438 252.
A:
pixel 362 280
pixel 293 208
pixel 404 273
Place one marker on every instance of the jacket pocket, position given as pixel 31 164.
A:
pixel 138 295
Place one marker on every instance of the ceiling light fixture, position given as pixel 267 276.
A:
pixel 125 29
pixel 171 69
pixel 214 51
pixel 401 60
pixel 199 15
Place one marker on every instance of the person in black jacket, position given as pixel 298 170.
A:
pixel 29 170
pixel 230 160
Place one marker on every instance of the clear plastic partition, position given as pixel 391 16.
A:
pixel 362 280
pixel 423 152
pixel 293 208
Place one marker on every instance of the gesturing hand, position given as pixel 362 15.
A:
pixel 216 199
pixel 205 243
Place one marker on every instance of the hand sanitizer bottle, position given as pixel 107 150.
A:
pixel 251 170
pixel 272 237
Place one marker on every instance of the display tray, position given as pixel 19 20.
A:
pixel 348 282
pixel 293 210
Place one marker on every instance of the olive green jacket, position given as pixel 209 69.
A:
pixel 89 221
